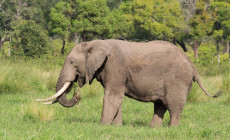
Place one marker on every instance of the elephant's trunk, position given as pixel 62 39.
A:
pixel 62 99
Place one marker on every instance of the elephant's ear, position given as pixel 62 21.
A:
pixel 95 57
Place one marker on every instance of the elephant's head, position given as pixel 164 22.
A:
pixel 81 65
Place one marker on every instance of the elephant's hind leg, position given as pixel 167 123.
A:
pixel 159 111
pixel 175 114
pixel 176 99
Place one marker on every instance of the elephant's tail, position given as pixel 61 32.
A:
pixel 196 78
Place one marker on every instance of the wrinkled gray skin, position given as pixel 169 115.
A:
pixel 155 71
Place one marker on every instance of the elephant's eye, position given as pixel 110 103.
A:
pixel 71 62
pixel 90 50
pixel 78 71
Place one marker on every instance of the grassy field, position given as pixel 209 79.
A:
pixel 21 117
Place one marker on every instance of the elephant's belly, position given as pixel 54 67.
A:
pixel 145 88
pixel 145 96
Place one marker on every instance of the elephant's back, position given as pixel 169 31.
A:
pixel 153 51
pixel 154 54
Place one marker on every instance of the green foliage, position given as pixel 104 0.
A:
pixel 202 22
pixel 91 21
pixel 119 23
pixel 207 64
pixel 86 19
pixel 13 10
pixel 60 17
pixel 220 12
pixel 155 19
pixel 123 19
pixel 56 46
pixel 28 39
pixel 207 53
pixel 224 59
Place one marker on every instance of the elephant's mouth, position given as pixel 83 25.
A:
pixel 81 81
pixel 61 94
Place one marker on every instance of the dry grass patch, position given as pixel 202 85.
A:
pixel 35 111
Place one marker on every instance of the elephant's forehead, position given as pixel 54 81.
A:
pixel 77 49
pixel 76 53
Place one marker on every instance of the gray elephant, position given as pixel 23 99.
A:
pixel 156 71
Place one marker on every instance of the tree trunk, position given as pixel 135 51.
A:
pixel 2 40
pixel 228 49
pixel 63 47
pixel 76 39
pixel 9 51
pixel 218 50
pixel 0 45
pixel 196 49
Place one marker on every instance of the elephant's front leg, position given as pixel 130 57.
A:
pixel 118 117
pixel 111 104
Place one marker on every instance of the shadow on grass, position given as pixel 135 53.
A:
pixel 97 121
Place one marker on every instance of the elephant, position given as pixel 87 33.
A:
pixel 155 71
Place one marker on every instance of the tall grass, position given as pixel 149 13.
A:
pixel 39 112
pixel 20 76
pixel 212 84
pixel 226 85
pixel 36 75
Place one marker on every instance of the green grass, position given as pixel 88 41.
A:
pixel 21 117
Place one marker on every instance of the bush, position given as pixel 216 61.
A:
pixel 29 39
pixel 56 46
pixel 224 59
pixel 207 53
pixel 207 63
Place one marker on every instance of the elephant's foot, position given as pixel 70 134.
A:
pixel 156 121
pixel 117 121
pixel 159 111
pixel 175 111
pixel 174 119
pixel 106 122
pixel 118 118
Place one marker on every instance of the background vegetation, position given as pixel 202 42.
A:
pixel 29 27
pixel 37 35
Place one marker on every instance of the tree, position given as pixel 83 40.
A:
pixel 80 19
pixel 120 27
pixel 201 24
pixel 92 20
pixel 113 4
pixel 28 39
pixel 221 15
pixel 189 8
pixel 15 10
pixel 155 19
pixel 60 17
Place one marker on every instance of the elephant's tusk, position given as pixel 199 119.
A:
pixel 51 102
pixel 60 92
